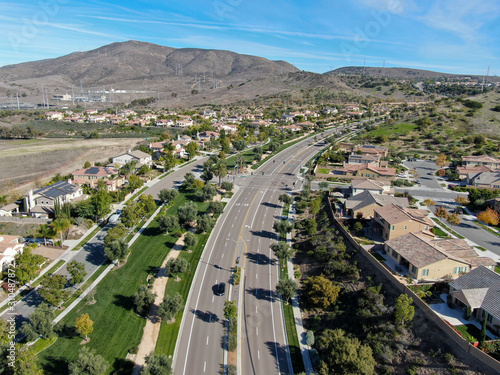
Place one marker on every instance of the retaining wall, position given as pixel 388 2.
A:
pixel 456 339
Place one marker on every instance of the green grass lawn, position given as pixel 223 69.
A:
pixel 117 328
pixel 447 228
pixel 323 170
pixel 439 232
pixel 379 257
pixel 470 332
pixel 497 269
pixel 403 128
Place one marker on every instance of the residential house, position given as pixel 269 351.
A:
pixel 366 170
pixel 97 118
pixel 234 119
pixel 371 149
pixel 54 115
pixel 228 128
pixel 432 259
pixel 40 203
pixel 484 179
pixel 91 176
pixel 141 158
pixel 164 122
pixel 463 172
pixel 330 111
pixel 487 161
pixel 9 209
pixel 183 122
pixel 364 159
pixel 9 248
pixel 479 290
pixel 287 118
pixel 392 221
pixel 374 186
pixel 292 128
pixel 363 205
pixel 90 111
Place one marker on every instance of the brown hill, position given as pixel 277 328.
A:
pixel 132 61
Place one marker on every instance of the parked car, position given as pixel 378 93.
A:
pixel 220 289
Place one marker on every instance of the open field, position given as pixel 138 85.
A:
pixel 26 161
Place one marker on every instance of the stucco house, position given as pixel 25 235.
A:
pixel 485 160
pixel 375 186
pixel 9 248
pixel 366 170
pixel 40 203
pixel 92 175
pixel 364 204
pixel 479 290
pixel 429 258
pixel 392 221
pixel 140 157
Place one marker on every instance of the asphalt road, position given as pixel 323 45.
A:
pixel 244 230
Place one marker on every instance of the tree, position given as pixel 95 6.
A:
pixel 285 198
pixel 461 200
pixel 88 363
pixel 116 250
pixel 135 182
pixel 453 219
pixel 283 251
pixel 168 161
pixel 131 215
pixel 168 223
pixel 40 323
pixel 429 202
pixel 188 181
pixel 52 289
pixel 77 271
pixel 157 364
pixel 215 208
pixel 143 299
pixel 170 306
pixel 25 362
pixel 287 288
pixel 208 193
pixel 489 216
pixel 240 162
pixel 191 149
pixel 310 338
pixel 84 325
pixel 315 206
pixel 187 213
pixel 207 175
pixel 321 292
pixel 404 310
pixel 116 233
pixel 358 226
pixel 60 226
pixel 176 266
pixel 227 186
pixel 190 240
pixel 441 212
pixel 220 169
pixel 101 201
pixel 240 144
pixel 323 185
pixel 282 227
pixel 147 203
pixel 128 168
pixel 344 355
pixel 27 265
pixel 442 160
pixel 230 311
pixel 205 224
pixel 168 195
pixel 273 147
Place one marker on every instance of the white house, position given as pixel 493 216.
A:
pixel 9 248
pixel 138 156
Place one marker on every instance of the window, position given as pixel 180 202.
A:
pixel 489 319
pixel 414 269
pixel 393 227
pixel 458 270
pixel 425 272
pixel 406 227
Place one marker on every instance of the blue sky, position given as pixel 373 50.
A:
pixel 455 36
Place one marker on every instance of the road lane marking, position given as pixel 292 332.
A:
pixel 257 209
pixel 258 354
pixel 257 330
pixel 205 366
pixel 256 276
pixel 207 339
pixel 213 299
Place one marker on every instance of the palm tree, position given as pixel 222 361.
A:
pixel 240 161
pixel 220 169
pixel 61 225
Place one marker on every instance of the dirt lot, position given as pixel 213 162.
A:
pixel 51 252
pixel 23 162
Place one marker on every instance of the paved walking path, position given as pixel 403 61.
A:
pixel 297 314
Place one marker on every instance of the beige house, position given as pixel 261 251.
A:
pixel 392 221
pixel 367 170
pixel 433 259
pixel 364 204
pixel 92 175
pixel 485 160
pixel 375 186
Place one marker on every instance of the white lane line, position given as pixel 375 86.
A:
pixel 256 276
pixel 205 366
pixel 222 255
pixel 256 309
pixel 272 315
pixel 257 209
pixel 257 330
pixel 213 299
pixel 258 250
pixel 207 340
pixel 258 354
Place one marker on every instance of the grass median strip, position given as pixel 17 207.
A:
pixel 117 328
pixel 439 222
pixel 87 238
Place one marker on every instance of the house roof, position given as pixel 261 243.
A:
pixel 484 178
pixel 371 167
pixel 58 189
pixel 368 184
pixel 475 169
pixel 139 154
pixel 369 157
pixel 367 198
pixel 421 250
pixel 96 171
pixel 480 159
pixel 472 285
pixel 394 214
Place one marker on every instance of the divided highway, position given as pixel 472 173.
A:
pixel 244 230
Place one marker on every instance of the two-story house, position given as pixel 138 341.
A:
pixel 392 221
pixel 9 248
pixel 91 176
pixel 40 203
pixel 141 158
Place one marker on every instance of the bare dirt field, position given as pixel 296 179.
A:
pixel 51 252
pixel 23 162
